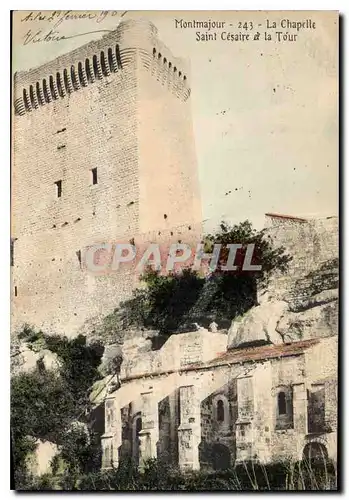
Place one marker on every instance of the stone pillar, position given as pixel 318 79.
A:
pixel 111 439
pixel 300 415
pixel 149 435
pixel 189 430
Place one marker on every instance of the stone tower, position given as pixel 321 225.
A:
pixel 103 150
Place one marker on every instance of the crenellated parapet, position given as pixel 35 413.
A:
pixel 98 60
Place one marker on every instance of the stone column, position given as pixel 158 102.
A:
pixel 149 435
pixel 189 430
pixel 111 439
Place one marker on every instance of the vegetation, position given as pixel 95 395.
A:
pixel 157 477
pixel 171 302
pixel 44 403
pixel 54 405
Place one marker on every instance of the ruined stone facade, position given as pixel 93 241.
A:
pixel 265 392
pixel 266 403
pixel 103 151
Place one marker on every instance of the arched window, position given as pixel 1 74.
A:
pixel 138 425
pixel 282 403
pixel 220 411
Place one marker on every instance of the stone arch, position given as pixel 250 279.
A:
pixel 220 456
pixel 315 451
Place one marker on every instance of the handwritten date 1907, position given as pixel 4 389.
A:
pixel 57 17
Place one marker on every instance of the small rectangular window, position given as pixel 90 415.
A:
pixel 16 291
pixel 58 185
pixel 94 176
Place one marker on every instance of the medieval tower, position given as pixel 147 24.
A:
pixel 103 151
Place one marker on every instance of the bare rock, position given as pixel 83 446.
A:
pixel 257 325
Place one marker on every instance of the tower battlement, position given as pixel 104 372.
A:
pixel 97 60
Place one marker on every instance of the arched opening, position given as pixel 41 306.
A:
pixel 73 78
pixel 154 52
pixel 118 56
pixel 220 411
pixel 282 410
pixel 45 90
pixel 95 66
pixel 88 71
pixel 315 451
pixel 103 65
pixel 39 94
pixel 110 59
pixel 81 75
pixel 32 97
pixel 220 456
pixel 66 81
pixel 59 84
pixel 52 88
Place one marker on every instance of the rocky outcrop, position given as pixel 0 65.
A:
pixel 30 357
pixel 257 325
pixel 309 309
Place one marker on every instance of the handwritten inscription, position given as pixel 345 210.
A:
pixel 57 18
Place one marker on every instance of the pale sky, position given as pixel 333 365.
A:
pixel 265 113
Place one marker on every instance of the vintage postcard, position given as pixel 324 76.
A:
pixel 174 250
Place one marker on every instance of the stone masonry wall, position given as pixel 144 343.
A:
pixel 93 108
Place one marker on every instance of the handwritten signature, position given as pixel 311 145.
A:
pixel 59 17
